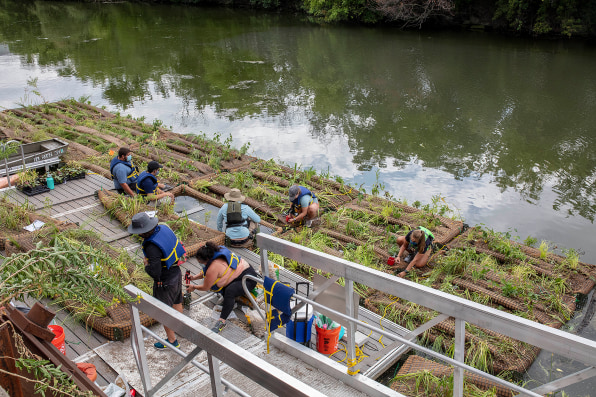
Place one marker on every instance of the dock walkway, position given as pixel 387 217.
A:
pixel 77 202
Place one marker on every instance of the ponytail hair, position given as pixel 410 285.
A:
pixel 420 238
pixel 206 252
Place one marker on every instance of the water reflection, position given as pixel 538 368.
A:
pixel 203 213
pixel 510 114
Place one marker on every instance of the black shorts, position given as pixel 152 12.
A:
pixel 170 294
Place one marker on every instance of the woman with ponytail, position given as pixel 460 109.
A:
pixel 416 243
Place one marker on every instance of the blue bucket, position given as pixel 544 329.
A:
pixel 301 327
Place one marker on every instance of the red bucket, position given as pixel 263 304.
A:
pixel 58 340
pixel 327 340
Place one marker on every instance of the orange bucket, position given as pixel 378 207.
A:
pixel 58 340
pixel 327 340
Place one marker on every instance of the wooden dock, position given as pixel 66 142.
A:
pixel 76 201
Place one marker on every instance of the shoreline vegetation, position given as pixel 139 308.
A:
pixel 530 18
pixel 526 278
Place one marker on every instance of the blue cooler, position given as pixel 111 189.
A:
pixel 298 328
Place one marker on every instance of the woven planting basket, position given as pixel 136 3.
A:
pixel 414 364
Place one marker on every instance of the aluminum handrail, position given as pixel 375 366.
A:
pixel 550 339
pixel 215 346
pixel 335 314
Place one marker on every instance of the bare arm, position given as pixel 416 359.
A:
pixel 302 214
pixel 209 278
pixel 127 189
pixel 159 195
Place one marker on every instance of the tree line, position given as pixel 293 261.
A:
pixel 539 18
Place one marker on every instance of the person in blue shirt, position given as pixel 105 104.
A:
pixel 163 254
pixel 239 219
pixel 124 173
pixel 149 187
pixel 417 243
pixel 305 203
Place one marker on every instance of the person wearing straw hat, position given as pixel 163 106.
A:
pixel 305 203
pixel 240 220
pixel 163 253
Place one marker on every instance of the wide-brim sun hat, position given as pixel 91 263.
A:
pixel 234 195
pixel 142 223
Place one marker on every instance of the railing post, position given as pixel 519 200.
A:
pixel 264 263
pixel 23 158
pixel 216 389
pixel 459 354
pixel 7 174
pixel 138 348
pixel 350 311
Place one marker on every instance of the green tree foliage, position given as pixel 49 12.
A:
pixel 341 10
pixel 568 18
pixel 540 17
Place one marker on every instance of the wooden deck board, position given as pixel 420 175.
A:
pixel 76 202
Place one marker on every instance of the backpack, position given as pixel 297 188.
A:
pixel 234 215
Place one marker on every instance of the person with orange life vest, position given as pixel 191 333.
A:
pixel 124 173
pixel 148 186
pixel 417 243
pixel 240 220
pixel 222 272
pixel 305 203
pixel 163 253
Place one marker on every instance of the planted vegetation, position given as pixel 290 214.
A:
pixel 65 267
pixel 477 264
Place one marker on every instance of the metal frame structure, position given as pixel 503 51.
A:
pixel 462 310
pixel 30 158
pixel 216 347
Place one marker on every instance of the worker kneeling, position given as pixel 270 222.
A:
pixel 240 220
pixel 222 272
pixel 417 243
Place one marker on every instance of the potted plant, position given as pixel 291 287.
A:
pixel 73 170
pixel 29 183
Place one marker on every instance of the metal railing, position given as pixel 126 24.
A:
pixel 462 310
pixel 216 347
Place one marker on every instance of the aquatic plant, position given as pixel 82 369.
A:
pixel 544 248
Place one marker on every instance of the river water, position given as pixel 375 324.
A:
pixel 503 128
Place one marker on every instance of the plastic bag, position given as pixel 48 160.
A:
pixel 324 322
pixel 119 388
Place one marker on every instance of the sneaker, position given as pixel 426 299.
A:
pixel 159 345
pixel 409 258
pixel 308 223
pixel 219 326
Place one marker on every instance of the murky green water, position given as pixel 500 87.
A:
pixel 504 128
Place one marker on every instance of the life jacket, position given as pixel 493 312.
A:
pixel 234 215
pixel 171 248
pixel 231 259
pixel 303 192
pixel 427 233
pixel 134 171
pixel 146 184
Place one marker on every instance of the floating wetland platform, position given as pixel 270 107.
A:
pixel 471 262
